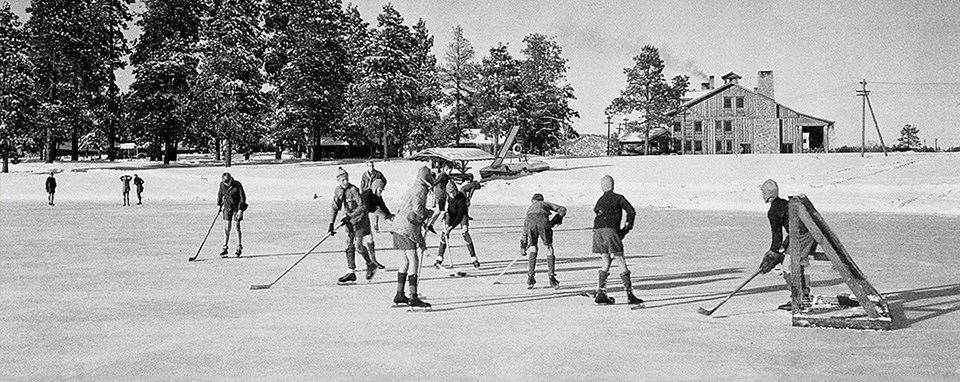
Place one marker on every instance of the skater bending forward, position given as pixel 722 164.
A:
pixel 407 233
pixel 232 201
pixel 539 226
pixel 457 211
pixel 373 203
pixel 779 217
pixel 355 221
pixel 608 239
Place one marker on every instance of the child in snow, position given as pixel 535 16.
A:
pixel 779 217
pixel 407 233
pixel 51 187
pixel 374 205
pixel 355 220
pixel 126 189
pixel 138 182
pixel 608 239
pixel 539 226
pixel 232 200
pixel 457 212
pixel 366 182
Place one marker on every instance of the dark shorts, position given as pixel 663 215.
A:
pixel 538 230
pixel 441 196
pixel 463 220
pixel 607 240
pixel 402 242
pixel 230 213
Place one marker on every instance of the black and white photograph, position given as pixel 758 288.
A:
pixel 490 190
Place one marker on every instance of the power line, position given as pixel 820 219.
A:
pixel 916 83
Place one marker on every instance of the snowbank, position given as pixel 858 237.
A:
pixel 924 183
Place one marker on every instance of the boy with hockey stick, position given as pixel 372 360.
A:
pixel 374 205
pixel 779 217
pixel 539 226
pixel 457 212
pixel 407 233
pixel 232 200
pixel 440 192
pixel 366 182
pixel 608 239
pixel 346 196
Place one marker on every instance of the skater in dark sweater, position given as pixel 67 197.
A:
pixel 366 182
pixel 779 217
pixel 232 201
pixel 138 183
pixel 407 233
pixel 355 221
pixel 538 226
pixel 440 193
pixel 51 186
pixel 125 179
pixel 608 239
pixel 374 205
pixel 456 216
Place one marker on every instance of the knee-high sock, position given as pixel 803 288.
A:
pixel 372 250
pixel 470 247
pixel 412 280
pixel 552 264
pixel 531 263
pixel 351 258
pixel 363 252
pixel 443 246
pixel 401 279
pixel 602 284
pixel 627 283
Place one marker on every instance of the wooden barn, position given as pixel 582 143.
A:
pixel 731 119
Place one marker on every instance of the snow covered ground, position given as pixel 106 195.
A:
pixel 90 290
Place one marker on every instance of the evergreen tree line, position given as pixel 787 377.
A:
pixel 235 76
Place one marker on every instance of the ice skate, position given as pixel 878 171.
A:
pixel 634 300
pixel 380 266
pixel 400 299
pixel 348 278
pixel 225 252
pixel 476 263
pixel 554 283
pixel 439 263
pixel 603 299
pixel 431 230
pixel 416 302
pixel 371 270
pixel 531 281
pixel 239 251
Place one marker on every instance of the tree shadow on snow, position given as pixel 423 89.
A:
pixel 914 301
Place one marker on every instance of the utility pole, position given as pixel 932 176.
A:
pixel 866 97
pixel 863 116
pixel 608 134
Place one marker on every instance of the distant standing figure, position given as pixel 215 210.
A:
pixel 138 182
pixel 126 189
pixel 51 187
pixel 608 239
pixel 366 182
pixel 232 201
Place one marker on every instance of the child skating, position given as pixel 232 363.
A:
pixel 232 201
pixel 374 205
pixel 779 218
pixel 407 233
pixel 608 240
pixel 538 226
pixel 457 212
pixel 355 221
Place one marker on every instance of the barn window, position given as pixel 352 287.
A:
pixel 698 146
pixel 727 126
pixel 687 147
pixel 726 103
pixel 728 146
pixel 719 147
pixel 745 148
pixel 697 126
pixel 740 102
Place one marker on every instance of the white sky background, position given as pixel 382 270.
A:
pixel 818 51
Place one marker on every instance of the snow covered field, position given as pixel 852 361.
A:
pixel 90 290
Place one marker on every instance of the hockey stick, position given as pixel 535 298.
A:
pixel 496 280
pixel 709 312
pixel 207 235
pixel 305 254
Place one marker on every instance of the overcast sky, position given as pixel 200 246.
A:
pixel 908 51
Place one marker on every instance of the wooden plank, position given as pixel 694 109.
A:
pixel 854 283
pixel 794 251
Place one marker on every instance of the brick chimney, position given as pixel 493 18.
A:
pixel 765 83
pixel 710 81
pixel 731 78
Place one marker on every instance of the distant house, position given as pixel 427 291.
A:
pixel 733 119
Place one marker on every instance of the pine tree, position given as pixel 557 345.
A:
pixel 165 63
pixel 909 138
pixel 16 86
pixel 500 92
pixel 425 127
pixel 75 47
pixel 459 77
pixel 647 91
pixel 228 87
pixel 545 114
